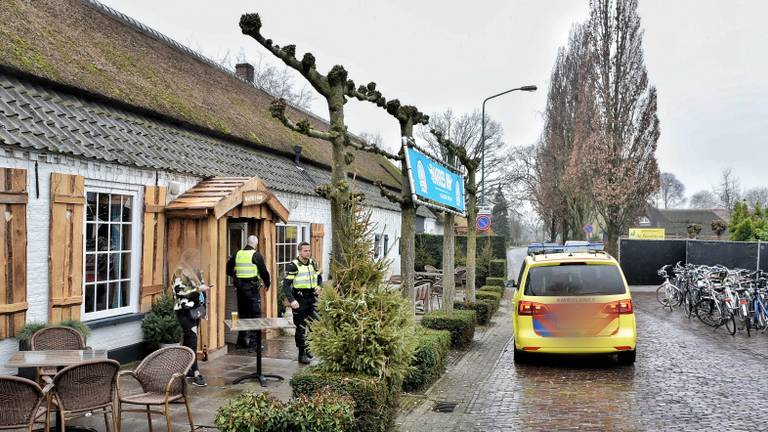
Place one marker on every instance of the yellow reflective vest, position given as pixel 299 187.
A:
pixel 305 277
pixel 244 266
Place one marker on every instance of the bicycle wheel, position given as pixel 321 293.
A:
pixel 688 305
pixel 730 323
pixel 759 320
pixel 661 295
pixel 708 313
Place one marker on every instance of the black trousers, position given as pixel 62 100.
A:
pixel 307 311
pixel 248 306
pixel 190 327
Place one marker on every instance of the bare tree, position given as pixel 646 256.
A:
pixel 618 144
pixel 464 130
pixel 703 199
pixel 332 86
pixel 671 190
pixel 729 189
pixel 407 117
pixel 279 82
pixel 756 195
pixel 374 139
pixel 458 137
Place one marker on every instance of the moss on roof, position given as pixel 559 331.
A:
pixel 69 42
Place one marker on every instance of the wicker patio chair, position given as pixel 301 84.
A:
pixel 55 338
pixel 23 403
pixel 162 378
pixel 461 276
pixel 84 389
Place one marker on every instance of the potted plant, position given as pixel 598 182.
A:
pixel 160 326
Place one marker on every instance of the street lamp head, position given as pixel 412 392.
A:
pixel 528 88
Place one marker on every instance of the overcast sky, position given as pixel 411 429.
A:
pixel 707 59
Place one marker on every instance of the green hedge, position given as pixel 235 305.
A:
pixel 460 323
pixel 483 309
pixel 496 281
pixel 498 268
pixel 490 296
pixel 429 249
pixel 321 412
pixel 493 288
pixel 376 400
pixel 429 359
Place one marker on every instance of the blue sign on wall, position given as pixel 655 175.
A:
pixel 433 183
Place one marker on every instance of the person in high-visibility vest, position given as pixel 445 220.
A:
pixel 301 287
pixel 248 269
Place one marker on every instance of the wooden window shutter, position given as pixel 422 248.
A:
pixel 153 253
pixel 66 246
pixel 317 232
pixel 13 259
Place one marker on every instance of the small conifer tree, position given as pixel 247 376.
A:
pixel 364 326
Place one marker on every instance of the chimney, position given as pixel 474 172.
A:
pixel 297 155
pixel 244 71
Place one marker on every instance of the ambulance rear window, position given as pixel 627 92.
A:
pixel 574 279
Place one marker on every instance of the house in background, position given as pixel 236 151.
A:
pixel 675 221
pixel 119 149
pixel 427 222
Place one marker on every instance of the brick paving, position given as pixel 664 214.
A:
pixel 687 377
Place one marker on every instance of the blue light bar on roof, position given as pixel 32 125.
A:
pixel 539 248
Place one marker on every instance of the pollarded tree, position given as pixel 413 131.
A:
pixel 470 164
pixel 332 87
pixel 407 117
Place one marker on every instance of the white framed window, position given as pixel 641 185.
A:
pixel 288 238
pixel 377 246
pixel 112 248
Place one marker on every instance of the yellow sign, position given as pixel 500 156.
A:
pixel 647 233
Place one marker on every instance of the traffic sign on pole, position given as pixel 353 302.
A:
pixel 588 229
pixel 483 223
pixel 484 209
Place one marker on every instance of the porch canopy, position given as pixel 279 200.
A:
pixel 201 218
pixel 221 196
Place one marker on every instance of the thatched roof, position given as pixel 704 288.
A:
pixel 80 45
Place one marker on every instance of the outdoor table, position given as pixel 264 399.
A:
pixel 429 275
pixel 258 324
pixel 55 358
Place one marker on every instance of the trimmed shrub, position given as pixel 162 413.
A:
pixel 323 412
pixel 252 411
pixel 460 323
pixel 498 269
pixel 376 400
pixel 491 296
pixel 429 359
pixel 483 310
pixel 493 288
pixel 496 281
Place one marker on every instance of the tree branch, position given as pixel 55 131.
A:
pixel 460 152
pixel 386 193
pixel 364 146
pixel 277 108
pixel 250 24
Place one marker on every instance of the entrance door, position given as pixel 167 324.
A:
pixel 237 234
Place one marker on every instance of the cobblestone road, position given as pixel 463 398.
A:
pixel 687 377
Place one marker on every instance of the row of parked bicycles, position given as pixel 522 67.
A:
pixel 735 299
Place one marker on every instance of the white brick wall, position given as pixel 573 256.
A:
pixel 313 209
pixel 310 209
pixel 38 216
